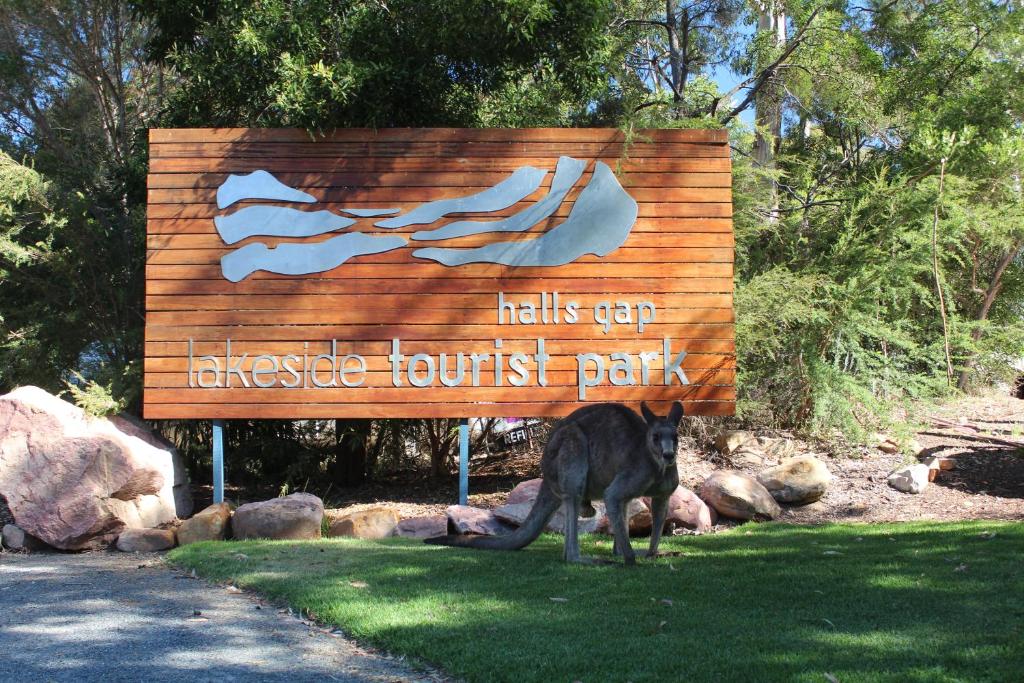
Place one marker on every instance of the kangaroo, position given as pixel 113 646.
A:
pixel 598 451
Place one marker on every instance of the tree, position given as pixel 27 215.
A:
pixel 75 92
pixel 322 64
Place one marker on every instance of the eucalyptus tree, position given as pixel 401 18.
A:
pixel 76 95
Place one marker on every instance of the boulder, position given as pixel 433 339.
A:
pixel 910 479
pixel 209 524
pixel 14 538
pixel 801 479
pixel 422 527
pixel 371 523
pixel 525 492
pixel 515 514
pixel 637 514
pixel 76 481
pixel 747 457
pixel 777 448
pixel 180 488
pixel 465 519
pixel 731 440
pixel 293 517
pixel 685 508
pixel 145 540
pixel 736 495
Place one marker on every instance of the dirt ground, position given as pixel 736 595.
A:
pixel 984 436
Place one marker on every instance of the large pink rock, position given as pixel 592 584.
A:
pixel 687 509
pixel 516 513
pixel 525 492
pixel 422 527
pixel 465 519
pixel 521 499
pixel 76 481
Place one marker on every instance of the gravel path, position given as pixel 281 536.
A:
pixel 119 617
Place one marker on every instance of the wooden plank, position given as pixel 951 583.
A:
pixel 311 411
pixel 248 351
pixel 158 136
pixel 411 316
pixel 333 165
pixel 724 348
pixel 401 173
pixel 191 226
pixel 272 302
pixel 397 194
pixel 621 255
pixel 431 271
pixel 607 285
pixel 413 395
pixel 210 240
pixel 644 210
pixel 654 331
pixel 383 378
pixel 411 149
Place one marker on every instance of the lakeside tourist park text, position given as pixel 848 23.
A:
pixel 409 367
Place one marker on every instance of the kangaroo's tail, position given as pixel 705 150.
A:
pixel 543 508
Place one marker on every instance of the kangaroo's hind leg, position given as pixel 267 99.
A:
pixel 570 477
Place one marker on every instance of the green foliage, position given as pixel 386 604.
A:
pixel 92 397
pixel 319 64
pixel 860 113
pixel 880 602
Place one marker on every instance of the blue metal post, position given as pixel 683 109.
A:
pixel 463 461
pixel 218 461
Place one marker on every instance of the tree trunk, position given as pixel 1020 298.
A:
pixel 995 284
pixel 771 21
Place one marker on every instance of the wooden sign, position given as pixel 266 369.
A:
pixel 437 272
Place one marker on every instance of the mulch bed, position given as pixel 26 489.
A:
pixel 977 433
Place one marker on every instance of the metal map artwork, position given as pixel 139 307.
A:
pixel 598 223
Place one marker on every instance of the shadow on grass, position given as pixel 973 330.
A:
pixel 922 602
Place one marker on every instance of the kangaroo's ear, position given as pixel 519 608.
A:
pixel 649 416
pixel 676 413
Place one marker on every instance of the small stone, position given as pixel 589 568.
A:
pixel 14 538
pixel 730 440
pixel 293 517
pixel 886 444
pixel 210 524
pixel 747 457
pixel 910 479
pixel 145 540
pixel 736 495
pixel 372 523
pixel 801 479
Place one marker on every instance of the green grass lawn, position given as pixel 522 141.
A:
pixel 895 602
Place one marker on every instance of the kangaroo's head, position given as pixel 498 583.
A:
pixel 662 437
